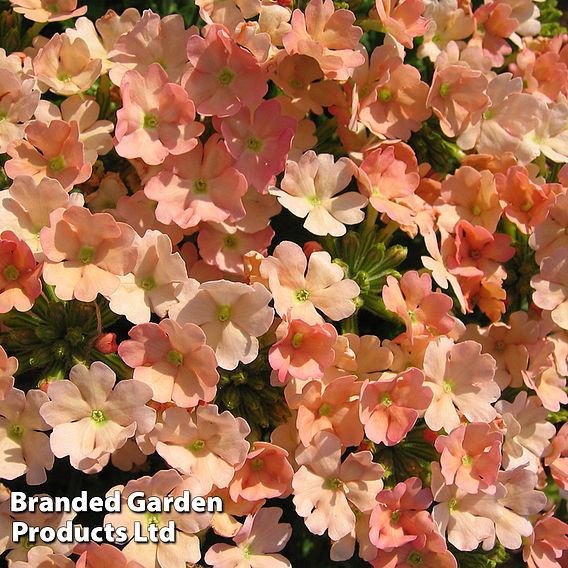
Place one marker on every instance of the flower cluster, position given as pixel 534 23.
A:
pixel 307 257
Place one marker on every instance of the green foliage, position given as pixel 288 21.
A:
pixel 551 19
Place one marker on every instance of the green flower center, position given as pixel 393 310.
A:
pixel 57 164
pixel 526 206
pixel 385 95
pixel 226 76
pixel 453 504
pixel 385 399
pixel 196 446
pixel 175 358
pixel 11 272
pixel 297 340
pixel 302 295
pixel 147 283
pixel 414 558
pixel 254 144
pixel 230 242
pixel 16 432
pixel 447 386
pixel 395 516
pixel 467 460
pixel 333 483
pixel 257 464
pixel 314 200
pixel 150 121
pixel 476 210
pixel 324 409
pixel 247 551
pixel 86 254
pixel 223 312
pixel 444 89
pixel 63 77
pixel 98 416
pixel 152 519
pixel 200 186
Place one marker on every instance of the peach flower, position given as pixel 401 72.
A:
pixel 48 10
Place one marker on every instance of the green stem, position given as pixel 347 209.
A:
pixel 32 32
pixel 370 218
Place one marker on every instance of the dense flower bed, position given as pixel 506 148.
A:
pixel 307 257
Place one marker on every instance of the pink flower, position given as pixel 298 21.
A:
pixel 550 234
pixel 222 77
pixel 52 151
pixel 325 489
pixel 400 515
pixel 476 247
pixel 526 203
pixel 309 190
pixel 404 21
pixel 20 283
pixel 392 97
pixel 266 474
pixel 232 315
pixel 387 175
pixel 333 407
pixel 205 444
pixel 225 246
pixel 557 457
pixel 551 287
pixel 23 442
pixel 548 543
pixel 20 98
pixel 322 287
pixel 471 456
pixel 95 134
pixel 155 281
pixel 423 311
pixel 201 185
pixel 173 361
pixel 426 551
pixel 25 208
pixel 460 377
pixel 65 65
pixel 260 537
pixel 43 557
pixel 157 117
pixel 91 419
pixel 86 253
pixel 165 483
pixel 94 555
pixel 48 10
pixel 151 40
pixel 463 517
pixel 469 195
pixel 8 366
pixel 302 350
pixel 328 36
pixel 361 356
pixel 390 406
pixel 259 141
pixel 457 94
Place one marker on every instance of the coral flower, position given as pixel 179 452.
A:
pixel 8 366
pixel 461 377
pixel 86 253
pixel 266 474
pixel 328 36
pixel 259 141
pixel 20 284
pixel 390 407
pixel 51 150
pixel 48 10
pixel 302 350
pixel 222 76
pixel 157 117
pixel 471 456
pixel 204 444
pixel 173 360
